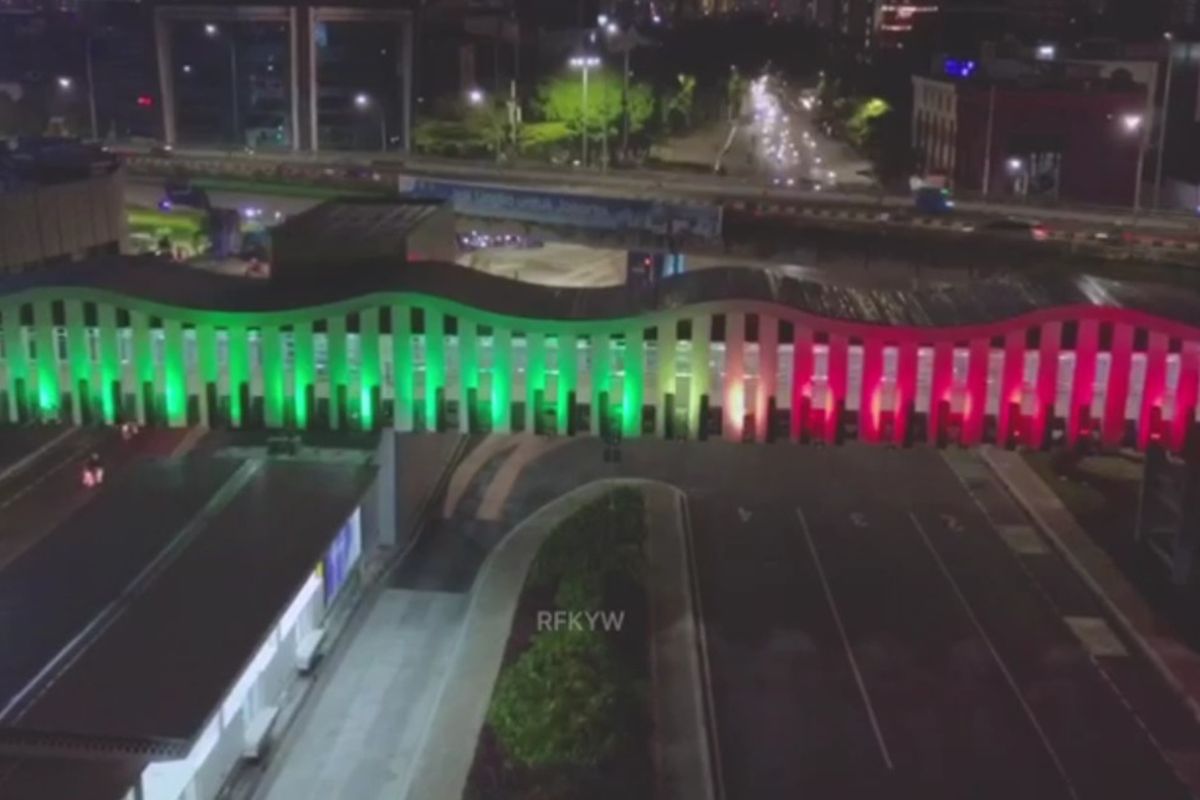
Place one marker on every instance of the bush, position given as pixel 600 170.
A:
pixel 604 536
pixel 580 590
pixel 562 703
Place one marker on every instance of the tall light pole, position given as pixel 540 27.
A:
pixel 477 98
pixel 91 83
pixel 362 102
pixel 585 63
pixel 212 32
pixel 627 41
pixel 1135 124
pixel 1162 129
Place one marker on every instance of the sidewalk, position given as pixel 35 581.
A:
pixel 1174 660
pixel 441 767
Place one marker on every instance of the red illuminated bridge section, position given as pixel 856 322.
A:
pixel 477 354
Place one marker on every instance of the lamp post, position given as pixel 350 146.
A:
pixel 1162 130
pixel 477 98
pixel 626 42
pixel 362 102
pixel 585 63
pixel 1134 124
pixel 212 32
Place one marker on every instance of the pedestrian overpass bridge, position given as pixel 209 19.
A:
pixel 744 355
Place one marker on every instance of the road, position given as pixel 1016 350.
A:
pixel 40 487
pixel 872 634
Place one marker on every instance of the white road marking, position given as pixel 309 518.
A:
pixel 1095 636
pixel 987 640
pixel 837 618
pixel 26 460
pixel 952 523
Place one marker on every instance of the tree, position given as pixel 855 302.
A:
pixel 469 130
pixel 560 99
pixel 562 703
pixel 677 109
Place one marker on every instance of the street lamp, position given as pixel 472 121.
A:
pixel 212 32
pixel 1133 124
pixel 1169 38
pixel 585 63
pixel 65 83
pixel 475 97
pixel 362 102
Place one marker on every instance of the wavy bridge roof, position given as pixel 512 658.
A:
pixel 983 301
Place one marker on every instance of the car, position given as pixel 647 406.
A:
pixel 1033 228
pixel 92 474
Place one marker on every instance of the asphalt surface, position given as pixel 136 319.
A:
pixel 873 632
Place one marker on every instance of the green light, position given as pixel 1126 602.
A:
pixel 501 380
pixel 366 412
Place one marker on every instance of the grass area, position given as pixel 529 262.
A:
pixel 181 222
pixel 569 717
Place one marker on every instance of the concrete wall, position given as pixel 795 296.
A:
pixel 65 220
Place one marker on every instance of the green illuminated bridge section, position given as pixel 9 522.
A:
pixel 735 353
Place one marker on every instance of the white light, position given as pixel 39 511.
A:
pixel 1046 52
pixel 602 19
pixel 187 69
pixel 475 96
pixel 611 28
pixel 584 62
pixel 65 82
pixel 1131 121
pixel 362 100
pixel 1014 164
pixel 210 29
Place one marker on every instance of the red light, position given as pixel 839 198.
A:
pixel 145 101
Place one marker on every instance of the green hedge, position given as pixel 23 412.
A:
pixel 568 701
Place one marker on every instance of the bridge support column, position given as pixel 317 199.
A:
pixel 1150 412
pixel 906 390
pixel 939 391
pixel 870 399
pixel 733 390
pixel 665 379
pixel 1118 384
pixel 801 388
pixel 632 387
pixel 1185 395
pixel 1010 422
pixel 1047 382
pixel 838 384
pixel 403 383
pixel 701 380
pixel 976 406
pixel 502 381
pixel 1083 384
pixel 768 370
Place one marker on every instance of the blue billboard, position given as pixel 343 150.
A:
pixel 554 208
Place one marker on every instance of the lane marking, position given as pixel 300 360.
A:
pixel 190 440
pixel 23 462
pixel 954 466
pixel 987 640
pixel 837 618
pixel 1096 636
pixel 71 457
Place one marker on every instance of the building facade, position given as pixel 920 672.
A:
pixel 735 368
pixel 1070 140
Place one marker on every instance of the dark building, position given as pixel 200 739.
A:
pixel 1069 131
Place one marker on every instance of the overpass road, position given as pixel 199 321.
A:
pixel 639 183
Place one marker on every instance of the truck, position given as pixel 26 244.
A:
pixel 933 200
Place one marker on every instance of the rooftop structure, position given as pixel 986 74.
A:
pixel 153 629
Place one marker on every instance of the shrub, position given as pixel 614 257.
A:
pixel 562 702
pixel 604 536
